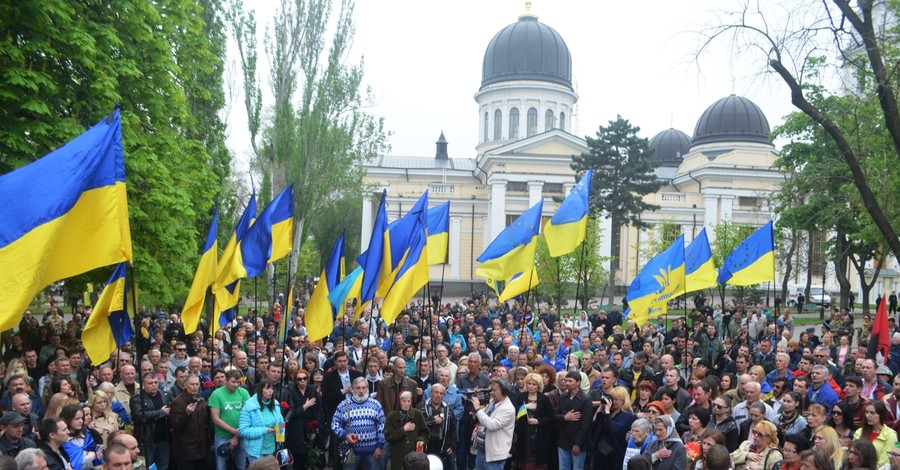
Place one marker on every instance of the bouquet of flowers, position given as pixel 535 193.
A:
pixel 313 452
pixel 693 450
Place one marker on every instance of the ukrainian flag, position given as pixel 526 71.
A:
pixel 373 260
pixel 227 293
pixel 566 228
pixel 699 268
pixel 62 215
pixel 520 284
pixel 514 248
pixel 438 233
pixel 400 236
pixel 270 238
pixel 203 278
pixel 320 314
pixel 413 273
pixel 346 290
pixel 753 261
pixel 661 280
pixel 110 325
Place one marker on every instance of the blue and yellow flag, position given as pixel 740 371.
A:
pixel 345 291
pixel 286 320
pixel 753 261
pixel 62 215
pixel 514 248
pixel 320 314
pixel 227 293
pixel 522 411
pixel 270 237
pixel 565 230
pixel 438 233
pixel 699 267
pixel 110 324
pixel 400 238
pixel 661 280
pixel 203 278
pixel 413 272
pixel 520 284
pixel 373 260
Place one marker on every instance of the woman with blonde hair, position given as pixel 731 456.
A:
pixel 826 440
pixel 761 452
pixel 531 450
pixel 57 402
pixel 104 421
pixel 613 418
pixel 758 375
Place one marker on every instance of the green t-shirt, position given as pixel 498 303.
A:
pixel 229 405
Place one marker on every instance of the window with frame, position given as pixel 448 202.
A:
pixel 514 123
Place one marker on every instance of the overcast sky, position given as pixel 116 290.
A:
pixel 423 63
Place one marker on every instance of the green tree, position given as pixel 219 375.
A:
pixel 63 66
pixel 853 40
pixel 623 175
pixel 556 275
pixel 320 130
pixel 588 265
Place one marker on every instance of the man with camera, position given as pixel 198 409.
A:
pixel 495 427
pixel 189 418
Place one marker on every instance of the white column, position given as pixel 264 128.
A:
pixel 497 211
pixel 727 206
pixel 453 258
pixel 367 221
pixel 486 238
pixel 711 210
pixel 605 236
pixel 535 192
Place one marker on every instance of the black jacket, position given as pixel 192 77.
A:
pixel 55 461
pixel 331 390
pixel 729 428
pixel 444 434
pixel 297 419
pixel 150 421
pixel 574 432
pixel 11 449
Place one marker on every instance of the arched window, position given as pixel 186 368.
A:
pixel 562 121
pixel 532 122
pixel 498 125
pixel 514 123
pixel 548 120
pixel 485 134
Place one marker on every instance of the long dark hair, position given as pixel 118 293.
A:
pixel 867 455
pixel 260 386
pixel 882 411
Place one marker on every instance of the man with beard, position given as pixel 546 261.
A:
pixel 189 418
pixel 360 422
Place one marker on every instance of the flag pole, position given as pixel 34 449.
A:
pixel 578 280
pixel 136 320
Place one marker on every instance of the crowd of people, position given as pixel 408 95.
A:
pixel 473 383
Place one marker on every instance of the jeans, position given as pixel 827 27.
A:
pixel 567 461
pixel 159 454
pixel 385 456
pixel 237 453
pixel 481 464
pixel 364 462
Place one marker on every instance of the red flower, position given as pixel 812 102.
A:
pixel 208 384
pixel 285 405
pixel 312 425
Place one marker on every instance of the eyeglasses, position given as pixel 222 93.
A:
pixel 894 454
pixel 759 434
pixel 181 349
pixel 302 379
pixel 719 406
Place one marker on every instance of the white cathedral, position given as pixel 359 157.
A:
pixel 524 119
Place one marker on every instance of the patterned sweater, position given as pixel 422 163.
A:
pixel 365 418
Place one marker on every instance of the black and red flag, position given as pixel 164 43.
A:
pixel 880 339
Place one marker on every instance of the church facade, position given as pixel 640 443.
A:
pixel 525 107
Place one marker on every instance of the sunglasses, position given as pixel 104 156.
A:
pixel 719 406
pixel 181 349
pixel 302 379
pixel 837 413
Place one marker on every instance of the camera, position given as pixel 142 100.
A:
pixel 483 394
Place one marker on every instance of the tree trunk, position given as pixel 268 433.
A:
pixel 789 266
pixel 840 268
pixel 809 260
pixel 615 239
